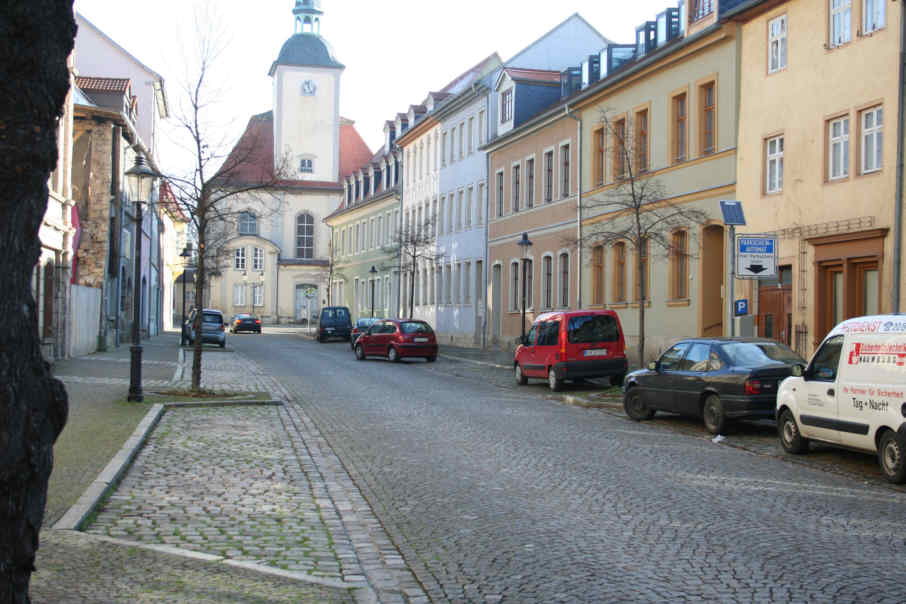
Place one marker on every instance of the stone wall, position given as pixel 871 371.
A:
pixel 92 171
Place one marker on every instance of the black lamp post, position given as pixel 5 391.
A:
pixel 185 255
pixel 373 272
pixel 140 179
pixel 525 243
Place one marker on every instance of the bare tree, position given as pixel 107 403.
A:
pixel 221 185
pixel 36 37
pixel 411 246
pixel 636 211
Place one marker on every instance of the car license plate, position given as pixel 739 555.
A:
pixel 597 352
pixel 421 339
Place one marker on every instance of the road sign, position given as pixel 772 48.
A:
pixel 741 308
pixel 756 257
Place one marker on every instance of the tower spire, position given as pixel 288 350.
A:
pixel 307 16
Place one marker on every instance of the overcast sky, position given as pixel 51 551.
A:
pixel 395 52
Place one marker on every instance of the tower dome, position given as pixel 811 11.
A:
pixel 306 47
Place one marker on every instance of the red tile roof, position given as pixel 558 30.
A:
pixel 89 84
pixel 533 75
pixel 252 158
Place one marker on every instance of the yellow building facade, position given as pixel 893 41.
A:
pixel 816 160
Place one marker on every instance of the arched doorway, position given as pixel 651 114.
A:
pixel 713 274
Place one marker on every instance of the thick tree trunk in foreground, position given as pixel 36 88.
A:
pixel 36 37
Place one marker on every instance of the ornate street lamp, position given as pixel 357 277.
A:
pixel 525 243
pixel 185 254
pixel 139 180
pixel 373 272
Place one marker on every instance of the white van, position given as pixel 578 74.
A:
pixel 852 394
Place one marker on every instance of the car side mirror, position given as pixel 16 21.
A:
pixel 798 370
pixel 652 365
pixel 523 340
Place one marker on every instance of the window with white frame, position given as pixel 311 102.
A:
pixel 774 164
pixel 479 281
pixel 777 44
pixel 481 127
pixel 500 194
pixel 564 279
pixel 443 149
pixel 529 283
pixel 258 259
pixel 448 284
pixel 547 282
pixel 258 295
pixel 467 284
pixel 838 148
pixel 514 288
pixel 239 294
pixel 548 178
pixel 506 106
pixel 564 171
pixel 530 183
pixel 467 209
pixel 462 139
pixel 239 258
pixel 452 144
pixel 451 212
pixel 874 15
pixel 514 189
pixel 471 135
pixel 872 139
pixel 479 205
pixel 840 22
pixel 457 277
pixel 307 165
pixel 305 236
pixel 438 285
pixel 248 223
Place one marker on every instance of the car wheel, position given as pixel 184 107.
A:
pixel 360 352
pixel 431 359
pixel 635 407
pixel 392 355
pixel 892 457
pixel 788 431
pixel 520 378
pixel 617 380
pixel 713 414
pixel 555 383
pixel 223 344
pixel 320 340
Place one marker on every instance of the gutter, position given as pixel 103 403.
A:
pixel 578 204
pixel 898 203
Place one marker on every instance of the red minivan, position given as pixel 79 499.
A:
pixel 572 345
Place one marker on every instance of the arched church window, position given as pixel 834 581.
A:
pixel 248 223
pixel 305 236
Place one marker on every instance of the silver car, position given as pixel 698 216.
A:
pixel 213 330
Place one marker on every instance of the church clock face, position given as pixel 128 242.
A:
pixel 309 88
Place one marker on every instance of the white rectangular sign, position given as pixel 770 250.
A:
pixel 756 257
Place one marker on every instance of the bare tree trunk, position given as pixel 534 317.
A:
pixel 200 283
pixel 36 37
pixel 411 293
pixel 643 295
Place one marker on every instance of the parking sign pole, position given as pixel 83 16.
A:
pixel 732 279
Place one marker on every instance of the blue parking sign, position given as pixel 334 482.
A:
pixel 741 307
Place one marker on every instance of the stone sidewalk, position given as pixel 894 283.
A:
pixel 240 503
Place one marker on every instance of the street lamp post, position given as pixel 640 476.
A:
pixel 185 254
pixel 140 179
pixel 525 243
pixel 373 272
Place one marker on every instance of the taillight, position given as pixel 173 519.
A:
pixel 222 327
pixel 257 321
pixel 753 386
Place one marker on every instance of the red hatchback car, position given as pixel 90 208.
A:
pixel 572 345
pixel 396 339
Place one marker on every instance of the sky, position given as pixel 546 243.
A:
pixel 395 52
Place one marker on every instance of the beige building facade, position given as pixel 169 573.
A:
pixel 817 160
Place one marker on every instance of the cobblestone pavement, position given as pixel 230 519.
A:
pixel 254 484
pixel 493 493
pixel 69 575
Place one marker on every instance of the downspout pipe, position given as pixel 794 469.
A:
pixel 487 230
pixel 578 204
pixel 898 203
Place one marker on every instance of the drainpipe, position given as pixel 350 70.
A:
pixel 578 205
pixel 487 227
pixel 901 131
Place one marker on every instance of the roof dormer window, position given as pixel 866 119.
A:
pixel 306 165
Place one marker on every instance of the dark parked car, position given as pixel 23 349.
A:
pixel 717 379
pixel 213 330
pixel 397 339
pixel 334 322
pixel 361 326
pixel 245 322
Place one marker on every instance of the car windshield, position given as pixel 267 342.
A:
pixel 366 322
pixel 415 327
pixel 243 316
pixel 593 328
pixel 752 354
pixel 210 317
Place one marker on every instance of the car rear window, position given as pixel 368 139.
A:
pixel 335 314
pixel 210 317
pixel 593 328
pixel 415 327
pixel 752 354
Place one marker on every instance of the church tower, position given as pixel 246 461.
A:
pixel 306 90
